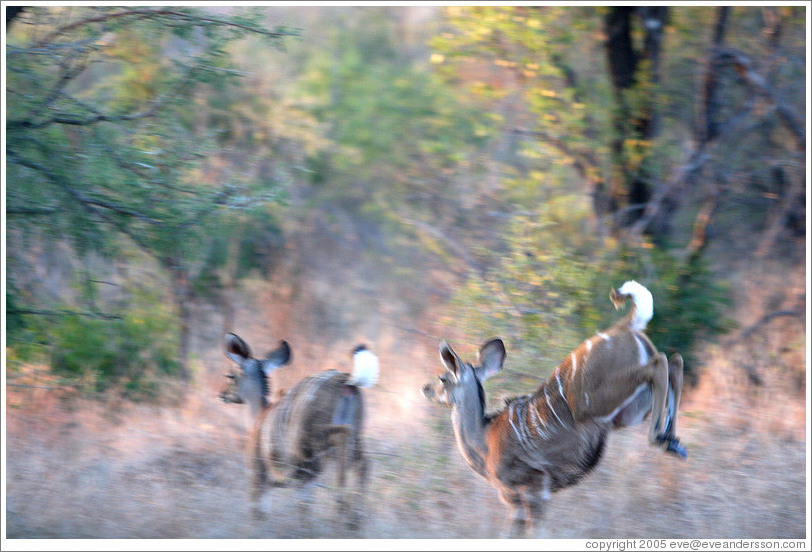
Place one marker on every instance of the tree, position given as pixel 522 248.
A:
pixel 102 140
pixel 616 109
pixel 606 115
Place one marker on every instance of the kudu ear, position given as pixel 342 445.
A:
pixel 237 349
pixel 449 357
pixel 277 358
pixel 491 358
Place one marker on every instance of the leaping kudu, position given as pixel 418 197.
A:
pixel 548 440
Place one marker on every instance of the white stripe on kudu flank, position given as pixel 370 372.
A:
pixel 547 398
pixel 560 387
pixel 641 351
pixel 537 422
pixel 511 413
pixel 574 364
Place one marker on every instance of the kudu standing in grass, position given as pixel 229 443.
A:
pixel 550 439
pixel 320 418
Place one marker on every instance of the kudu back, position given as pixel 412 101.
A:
pixel 547 440
pixel 320 419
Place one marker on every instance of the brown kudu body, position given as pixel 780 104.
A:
pixel 301 431
pixel 545 441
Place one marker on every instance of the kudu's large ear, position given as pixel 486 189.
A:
pixel 237 349
pixel 276 358
pixel 491 358
pixel 449 357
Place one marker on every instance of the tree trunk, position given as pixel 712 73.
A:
pixel 711 102
pixel 630 187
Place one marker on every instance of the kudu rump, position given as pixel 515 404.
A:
pixel 320 418
pixel 550 439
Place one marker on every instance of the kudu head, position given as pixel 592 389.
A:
pixel 249 383
pixel 462 382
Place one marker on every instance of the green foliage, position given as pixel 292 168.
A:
pixel 392 126
pixel 110 148
pixel 550 290
pixel 240 244
pixel 104 131
pixel 133 353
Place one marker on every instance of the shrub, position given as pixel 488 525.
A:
pixel 551 290
pixel 133 353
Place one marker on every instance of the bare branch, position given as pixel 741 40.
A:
pixel 457 248
pixel 701 222
pixel 763 321
pixel 30 211
pixel 64 313
pixel 759 86
pixel 584 162
pixel 683 173
pixel 84 121
pixel 89 204
pixel 146 13
pixel 779 218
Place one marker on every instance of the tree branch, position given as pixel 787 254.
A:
pixel 146 13
pixel 88 204
pixel 753 328
pixel 584 162
pixel 759 86
pixel 450 242
pixel 779 218
pixel 694 164
pixel 30 211
pixel 64 313
pixel 85 121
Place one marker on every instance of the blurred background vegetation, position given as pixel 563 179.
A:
pixel 499 168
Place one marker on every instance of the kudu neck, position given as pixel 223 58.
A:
pixel 257 405
pixel 470 428
pixel 253 389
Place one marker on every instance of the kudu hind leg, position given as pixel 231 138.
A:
pixel 675 372
pixel 657 369
pixel 349 457
pixel 259 471
pixel 666 384
pixel 358 510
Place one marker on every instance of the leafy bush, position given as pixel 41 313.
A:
pixel 550 291
pixel 134 352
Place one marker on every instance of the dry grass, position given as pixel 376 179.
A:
pixel 80 469
pixel 76 470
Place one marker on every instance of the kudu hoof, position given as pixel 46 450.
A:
pixel 673 446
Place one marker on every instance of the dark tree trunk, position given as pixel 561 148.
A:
pixel 712 105
pixel 631 184
pixel 619 47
